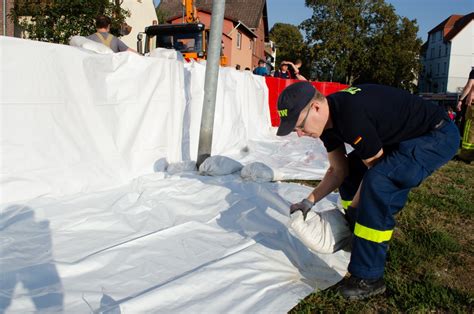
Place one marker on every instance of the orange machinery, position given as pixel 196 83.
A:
pixel 190 38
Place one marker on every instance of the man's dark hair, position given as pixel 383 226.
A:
pixel 261 61
pixel 102 21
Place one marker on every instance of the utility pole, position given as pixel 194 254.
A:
pixel 211 79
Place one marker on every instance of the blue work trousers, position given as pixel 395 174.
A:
pixel 384 192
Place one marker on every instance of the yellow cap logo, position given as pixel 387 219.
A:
pixel 283 113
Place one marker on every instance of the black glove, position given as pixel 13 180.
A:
pixel 305 206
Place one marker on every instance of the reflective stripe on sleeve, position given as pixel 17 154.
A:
pixel 345 204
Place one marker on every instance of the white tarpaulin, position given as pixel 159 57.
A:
pixel 85 224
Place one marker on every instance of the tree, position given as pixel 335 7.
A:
pixel 290 45
pixel 161 15
pixel 57 20
pixel 358 41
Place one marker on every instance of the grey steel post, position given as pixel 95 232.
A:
pixel 210 84
pixel 4 17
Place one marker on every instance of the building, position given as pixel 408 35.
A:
pixel 142 14
pixel 448 55
pixel 245 29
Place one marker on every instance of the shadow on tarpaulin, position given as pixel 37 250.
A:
pixel 277 85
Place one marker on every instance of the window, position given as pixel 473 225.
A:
pixel 439 52
pixel 445 68
pixel 239 40
pixel 432 53
pixel 446 51
pixel 437 72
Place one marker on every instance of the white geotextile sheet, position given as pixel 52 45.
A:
pixel 84 219
pixel 164 244
pixel 73 121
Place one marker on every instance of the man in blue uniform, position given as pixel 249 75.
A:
pixel 398 140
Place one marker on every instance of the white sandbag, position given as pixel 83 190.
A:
pixel 258 172
pixel 164 53
pixel 160 165
pixel 219 166
pixel 324 232
pixel 85 43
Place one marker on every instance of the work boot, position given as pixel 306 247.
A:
pixel 354 288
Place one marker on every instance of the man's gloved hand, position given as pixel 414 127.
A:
pixel 305 206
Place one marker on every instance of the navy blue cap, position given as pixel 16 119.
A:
pixel 291 102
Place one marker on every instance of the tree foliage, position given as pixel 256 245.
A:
pixel 161 15
pixel 357 41
pixel 57 20
pixel 290 45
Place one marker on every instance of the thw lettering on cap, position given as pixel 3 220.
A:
pixel 283 113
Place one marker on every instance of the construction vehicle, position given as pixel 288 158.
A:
pixel 190 38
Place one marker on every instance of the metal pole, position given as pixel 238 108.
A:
pixel 4 17
pixel 210 84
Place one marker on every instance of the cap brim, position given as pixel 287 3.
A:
pixel 285 128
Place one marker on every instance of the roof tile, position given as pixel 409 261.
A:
pixel 247 11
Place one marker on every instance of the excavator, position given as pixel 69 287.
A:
pixel 190 38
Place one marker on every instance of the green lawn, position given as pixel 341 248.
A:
pixel 431 257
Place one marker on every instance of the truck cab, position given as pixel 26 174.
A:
pixel 189 38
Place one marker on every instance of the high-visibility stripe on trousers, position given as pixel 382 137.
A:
pixel 467 145
pixel 384 192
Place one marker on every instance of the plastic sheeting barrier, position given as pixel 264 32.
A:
pixel 203 244
pixel 85 224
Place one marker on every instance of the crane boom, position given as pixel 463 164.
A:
pixel 190 10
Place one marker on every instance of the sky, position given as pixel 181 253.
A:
pixel 428 13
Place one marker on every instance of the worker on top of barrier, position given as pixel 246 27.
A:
pixel 102 24
pixel 398 139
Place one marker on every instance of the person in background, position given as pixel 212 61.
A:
pixel 398 140
pixel 294 69
pixel 451 113
pixel 103 36
pixel 283 71
pixel 247 69
pixel 466 153
pixel 261 69
pixel 237 67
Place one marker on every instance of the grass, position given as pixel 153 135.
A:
pixel 430 262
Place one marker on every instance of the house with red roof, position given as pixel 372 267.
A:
pixel 448 55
